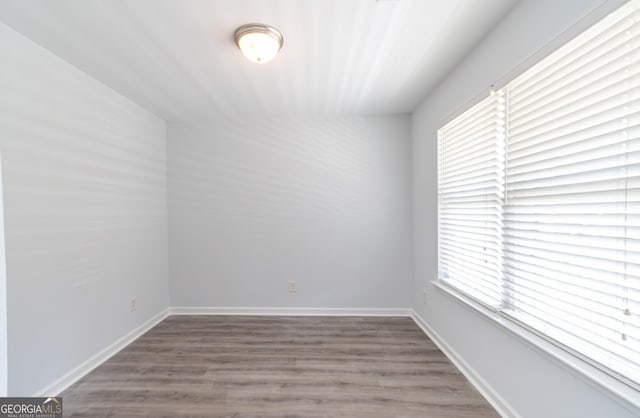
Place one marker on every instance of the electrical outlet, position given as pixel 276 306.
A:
pixel 133 306
pixel 424 296
pixel 292 286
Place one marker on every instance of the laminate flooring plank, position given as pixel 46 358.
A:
pixel 258 366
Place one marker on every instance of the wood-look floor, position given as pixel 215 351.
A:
pixel 250 366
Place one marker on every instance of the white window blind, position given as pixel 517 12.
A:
pixel 572 216
pixel 539 197
pixel 471 195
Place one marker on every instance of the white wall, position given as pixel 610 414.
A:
pixel 4 359
pixel 257 203
pixel 526 379
pixel 84 172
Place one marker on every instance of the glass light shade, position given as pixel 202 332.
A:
pixel 259 43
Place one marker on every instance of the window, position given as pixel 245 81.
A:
pixel 471 196
pixel 539 197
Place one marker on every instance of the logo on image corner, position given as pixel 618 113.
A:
pixel 13 407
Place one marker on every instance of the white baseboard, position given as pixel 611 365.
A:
pixel 76 374
pixel 498 403
pixel 181 310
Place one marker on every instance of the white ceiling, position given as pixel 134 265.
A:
pixel 177 58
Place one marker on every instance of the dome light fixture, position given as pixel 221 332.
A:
pixel 259 43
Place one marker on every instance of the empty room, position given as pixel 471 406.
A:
pixel 320 208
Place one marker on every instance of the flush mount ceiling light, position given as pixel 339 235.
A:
pixel 259 43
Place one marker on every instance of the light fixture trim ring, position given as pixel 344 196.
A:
pixel 258 28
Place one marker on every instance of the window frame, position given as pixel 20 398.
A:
pixel 588 369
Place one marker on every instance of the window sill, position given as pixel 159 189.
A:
pixel 591 375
